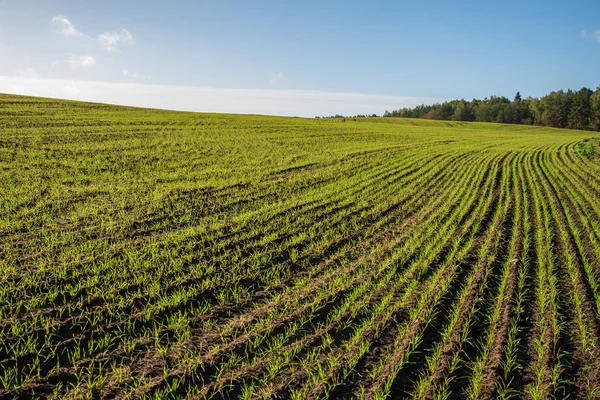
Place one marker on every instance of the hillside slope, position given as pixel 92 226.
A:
pixel 149 253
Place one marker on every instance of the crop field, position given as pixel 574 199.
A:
pixel 159 254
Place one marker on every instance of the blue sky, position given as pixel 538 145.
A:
pixel 396 52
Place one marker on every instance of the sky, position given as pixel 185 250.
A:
pixel 301 58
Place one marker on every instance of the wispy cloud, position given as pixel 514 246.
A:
pixel 307 103
pixel 276 78
pixel 65 27
pixel 130 74
pixel 81 61
pixel 595 35
pixel 71 90
pixel 28 73
pixel 111 41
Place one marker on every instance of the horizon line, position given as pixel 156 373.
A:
pixel 269 101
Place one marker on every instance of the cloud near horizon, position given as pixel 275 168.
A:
pixel 302 103
pixel 130 74
pixel 276 78
pixel 30 73
pixel 84 61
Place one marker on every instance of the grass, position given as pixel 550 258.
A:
pixel 159 254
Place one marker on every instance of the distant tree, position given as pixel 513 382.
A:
pixel 463 111
pixel 420 111
pixel 562 109
pixel 484 112
pixel 581 109
pixel 516 112
pixel 595 109
pixel 555 108
pixel 535 110
pixel 445 111
pixel 510 114
pixel 498 100
pixel 492 109
pixel 431 114
pixel 495 110
pixel 518 98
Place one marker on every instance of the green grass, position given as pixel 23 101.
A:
pixel 159 254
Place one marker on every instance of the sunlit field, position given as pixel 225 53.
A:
pixel 159 254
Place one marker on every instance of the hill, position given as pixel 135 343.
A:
pixel 149 253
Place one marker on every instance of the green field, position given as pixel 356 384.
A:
pixel 161 254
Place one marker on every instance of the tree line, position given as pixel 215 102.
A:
pixel 561 109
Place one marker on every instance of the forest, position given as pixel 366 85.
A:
pixel 559 109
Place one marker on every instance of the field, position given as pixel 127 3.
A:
pixel 158 254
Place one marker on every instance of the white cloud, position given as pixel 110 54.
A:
pixel 29 73
pixel 276 78
pixel 590 35
pixel 130 74
pixel 111 41
pixel 65 27
pixel 81 61
pixel 307 103
pixel 71 90
pixel 134 75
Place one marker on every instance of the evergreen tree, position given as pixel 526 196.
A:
pixel 518 98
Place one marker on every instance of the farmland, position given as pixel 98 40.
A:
pixel 159 254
